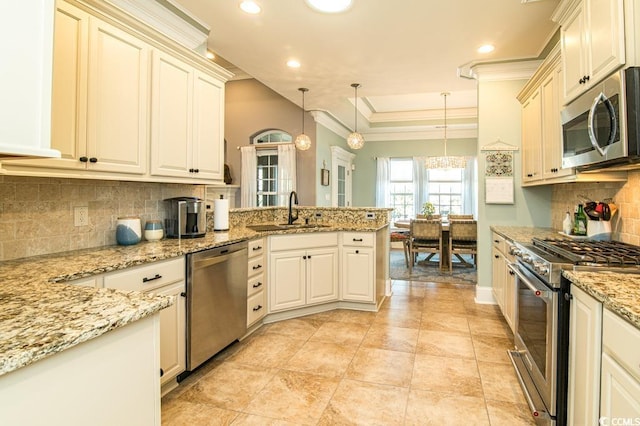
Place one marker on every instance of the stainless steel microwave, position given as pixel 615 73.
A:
pixel 601 128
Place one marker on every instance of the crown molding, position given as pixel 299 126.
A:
pixel 423 115
pixel 330 122
pixel 520 70
pixel 467 132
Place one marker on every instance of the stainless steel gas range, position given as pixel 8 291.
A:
pixel 541 349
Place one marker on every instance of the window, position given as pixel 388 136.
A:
pixel 445 190
pixel 401 188
pixel 267 178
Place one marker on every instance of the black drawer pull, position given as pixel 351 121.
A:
pixel 496 256
pixel 183 294
pixel 257 267
pixel 511 273
pixel 256 285
pixel 358 240
pixel 257 308
pixel 224 251
pixel 161 372
pixel 357 251
pixel 257 248
pixel 146 280
pixel 496 241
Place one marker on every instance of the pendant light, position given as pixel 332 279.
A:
pixel 302 141
pixel 355 139
pixel 446 162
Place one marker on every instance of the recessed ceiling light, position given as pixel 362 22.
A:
pixel 330 6
pixel 292 63
pixel 250 6
pixel 210 55
pixel 486 48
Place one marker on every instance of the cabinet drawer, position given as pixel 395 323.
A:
pixel 256 307
pixel 255 284
pixel 256 266
pixel 95 281
pixel 256 247
pixel 148 277
pixel 621 340
pixel 360 239
pixel 303 241
pixel 498 241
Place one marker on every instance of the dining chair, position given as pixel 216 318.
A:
pixel 463 239
pixel 460 217
pixel 430 216
pixel 402 237
pixel 425 236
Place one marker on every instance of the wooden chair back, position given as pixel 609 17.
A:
pixel 425 229
pixel 460 217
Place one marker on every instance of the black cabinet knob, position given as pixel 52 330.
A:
pixel 93 160
pixel 83 159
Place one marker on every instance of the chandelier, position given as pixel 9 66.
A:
pixel 302 141
pixel 355 139
pixel 445 162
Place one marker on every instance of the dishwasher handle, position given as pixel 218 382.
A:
pixel 214 260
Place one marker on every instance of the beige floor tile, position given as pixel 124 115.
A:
pixel 445 344
pixel 322 358
pixel 295 397
pixel 411 290
pixel 230 386
pixel 482 310
pixel 406 303
pixel 398 318
pixel 432 408
pixel 490 327
pixel 453 375
pixel 492 348
pixel 251 420
pixel 267 350
pixel 451 294
pixel 359 403
pixel 179 412
pixel 509 414
pixel 381 366
pixel 443 306
pixel 439 321
pixel 298 328
pixel 391 338
pixel 500 383
pixel 358 317
pixel 340 332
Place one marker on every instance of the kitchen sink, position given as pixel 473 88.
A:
pixel 284 226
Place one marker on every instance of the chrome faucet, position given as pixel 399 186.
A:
pixel 293 196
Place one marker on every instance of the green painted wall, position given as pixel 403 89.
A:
pixel 325 139
pixel 364 176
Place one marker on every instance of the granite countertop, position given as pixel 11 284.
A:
pixel 41 315
pixel 524 234
pixel 619 292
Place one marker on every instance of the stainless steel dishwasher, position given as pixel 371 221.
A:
pixel 216 301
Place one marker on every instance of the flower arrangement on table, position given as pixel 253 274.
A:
pixel 428 209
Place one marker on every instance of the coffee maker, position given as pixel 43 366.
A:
pixel 186 217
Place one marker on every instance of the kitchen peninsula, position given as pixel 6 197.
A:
pixel 53 332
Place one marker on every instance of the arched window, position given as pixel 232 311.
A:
pixel 267 181
pixel 270 136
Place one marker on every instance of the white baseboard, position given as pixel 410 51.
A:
pixel 484 296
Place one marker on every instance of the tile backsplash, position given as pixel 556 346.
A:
pixel 626 195
pixel 36 214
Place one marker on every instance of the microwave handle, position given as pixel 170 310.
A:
pixel 614 123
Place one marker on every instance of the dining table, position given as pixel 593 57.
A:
pixel 406 224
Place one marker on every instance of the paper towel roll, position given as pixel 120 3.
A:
pixel 221 215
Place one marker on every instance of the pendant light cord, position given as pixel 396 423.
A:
pixel 445 94
pixel 303 90
pixel 355 112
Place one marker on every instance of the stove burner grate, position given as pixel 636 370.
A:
pixel 592 253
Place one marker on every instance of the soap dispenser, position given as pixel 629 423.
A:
pixel 567 224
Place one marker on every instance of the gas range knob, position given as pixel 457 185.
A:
pixel 540 268
pixel 515 251
pixel 527 258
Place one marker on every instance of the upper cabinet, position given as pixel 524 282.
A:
pixel 25 78
pixel 593 41
pixel 130 105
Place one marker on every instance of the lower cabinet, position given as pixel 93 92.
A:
pixel 256 288
pixel 358 267
pixel 303 270
pixel 503 279
pixel 167 278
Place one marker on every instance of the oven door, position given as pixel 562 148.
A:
pixel 535 340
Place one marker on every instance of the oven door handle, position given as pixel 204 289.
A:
pixel 542 292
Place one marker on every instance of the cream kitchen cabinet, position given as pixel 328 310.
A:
pixel 358 267
pixel 592 37
pixel 532 138
pixel 100 92
pixel 256 282
pixel 303 270
pixel 620 381
pixel 187 121
pixel 585 344
pixel 504 283
pixel 166 278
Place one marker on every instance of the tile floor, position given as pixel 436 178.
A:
pixel 430 356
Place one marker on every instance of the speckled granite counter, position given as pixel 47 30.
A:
pixel 524 234
pixel 41 315
pixel 619 292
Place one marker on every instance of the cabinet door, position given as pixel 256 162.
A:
pixel 322 275
pixel 208 127
pixel 620 392
pixel 510 301
pixel 117 100
pixel 574 49
pixel 286 280
pixel 532 138
pixel 498 266
pixel 172 333
pixel 585 345
pixel 606 38
pixel 551 127
pixel 358 274
pixel 171 116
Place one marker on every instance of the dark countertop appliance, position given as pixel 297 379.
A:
pixel 186 217
pixel 541 354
